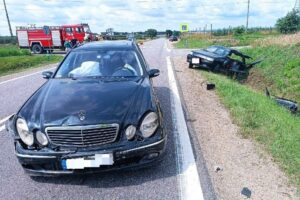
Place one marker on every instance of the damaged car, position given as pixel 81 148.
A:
pixel 221 59
pixel 98 111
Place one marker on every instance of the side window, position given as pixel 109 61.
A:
pixel 69 30
pixel 142 56
pixel 79 30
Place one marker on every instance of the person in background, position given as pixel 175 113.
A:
pixel 67 45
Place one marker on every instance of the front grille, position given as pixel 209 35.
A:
pixel 83 136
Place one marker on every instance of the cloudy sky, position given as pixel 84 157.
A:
pixel 139 15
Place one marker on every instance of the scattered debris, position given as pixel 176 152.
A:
pixel 246 192
pixel 218 168
pixel 210 86
pixel 289 104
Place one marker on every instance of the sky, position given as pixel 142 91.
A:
pixel 140 15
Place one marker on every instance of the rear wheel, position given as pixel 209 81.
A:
pixel 37 49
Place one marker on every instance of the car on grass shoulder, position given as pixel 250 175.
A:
pixel 219 58
pixel 98 111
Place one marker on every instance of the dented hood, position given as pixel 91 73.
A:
pixel 60 102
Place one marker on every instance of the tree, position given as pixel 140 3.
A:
pixel 169 33
pixel 290 23
pixel 152 33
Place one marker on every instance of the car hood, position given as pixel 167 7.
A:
pixel 61 102
pixel 206 53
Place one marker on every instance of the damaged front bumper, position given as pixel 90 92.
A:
pixel 49 162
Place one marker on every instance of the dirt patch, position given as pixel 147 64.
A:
pixel 233 162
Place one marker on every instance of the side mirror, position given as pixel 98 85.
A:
pixel 153 73
pixel 47 74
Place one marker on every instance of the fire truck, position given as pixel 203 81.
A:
pixel 48 38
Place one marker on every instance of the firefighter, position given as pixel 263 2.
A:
pixel 67 45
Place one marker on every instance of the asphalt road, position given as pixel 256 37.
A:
pixel 158 182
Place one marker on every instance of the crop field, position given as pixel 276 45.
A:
pixel 204 40
pixel 13 59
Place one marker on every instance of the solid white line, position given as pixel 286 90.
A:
pixel 2 128
pixel 4 119
pixel 3 82
pixel 189 182
pixel 166 46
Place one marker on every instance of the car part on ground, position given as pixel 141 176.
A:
pixel 219 59
pixel 292 106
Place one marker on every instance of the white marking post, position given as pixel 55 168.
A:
pixel 189 182
pixel 4 119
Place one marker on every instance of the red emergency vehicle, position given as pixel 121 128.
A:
pixel 41 39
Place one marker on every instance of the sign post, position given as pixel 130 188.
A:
pixel 184 28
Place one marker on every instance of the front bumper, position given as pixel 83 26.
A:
pixel 49 163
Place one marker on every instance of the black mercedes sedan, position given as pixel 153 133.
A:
pixel 98 111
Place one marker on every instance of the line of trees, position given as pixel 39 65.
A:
pixel 289 23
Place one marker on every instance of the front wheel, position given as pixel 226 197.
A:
pixel 37 49
pixel 190 65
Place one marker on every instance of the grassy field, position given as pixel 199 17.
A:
pixel 263 120
pixel 202 40
pixel 11 50
pixel 12 59
pixel 279 71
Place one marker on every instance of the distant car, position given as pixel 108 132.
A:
pixel 173 38
pixel 218 58
pixel 97 112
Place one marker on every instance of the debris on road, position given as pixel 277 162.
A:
pixel 246 192
pixel 210 86
pixel 218 168
pixel 291 105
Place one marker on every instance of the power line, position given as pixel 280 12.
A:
pixel 11 34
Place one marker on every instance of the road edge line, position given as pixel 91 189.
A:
pixel 188 176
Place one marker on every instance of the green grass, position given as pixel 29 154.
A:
pixel 12 64
pixel 280 69
pixel 202 41
pixel 12 50
pixel 262 119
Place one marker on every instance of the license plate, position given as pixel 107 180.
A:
pixel 88 162
pixel 195 60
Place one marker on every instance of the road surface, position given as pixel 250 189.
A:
pixel 181 175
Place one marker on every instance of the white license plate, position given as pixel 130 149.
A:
pixel 195 60
pixel 88 162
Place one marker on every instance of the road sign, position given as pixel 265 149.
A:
pixel 184 27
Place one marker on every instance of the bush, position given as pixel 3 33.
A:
pixel 239 30
pixel 290 23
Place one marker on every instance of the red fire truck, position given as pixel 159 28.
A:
pixel 47 38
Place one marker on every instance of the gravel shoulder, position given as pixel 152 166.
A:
pixel 242 162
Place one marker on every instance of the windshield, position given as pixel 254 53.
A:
pixel 104 63
pixel 217 50
pixel 86 29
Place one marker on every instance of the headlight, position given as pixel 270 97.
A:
pixel 23 132
pixel 41 138
pixel 130 132
pixel 149 124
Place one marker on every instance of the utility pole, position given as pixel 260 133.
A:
pixel 247 15
pixel 11 34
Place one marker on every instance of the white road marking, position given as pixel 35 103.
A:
pixel 167 48
pixel 189 182
pixel 20 77
pixel 4 119
pixel 2 128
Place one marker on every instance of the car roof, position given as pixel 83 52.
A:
pixel 119 44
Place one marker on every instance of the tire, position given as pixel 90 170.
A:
pixel 37 49
pixel 190 65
